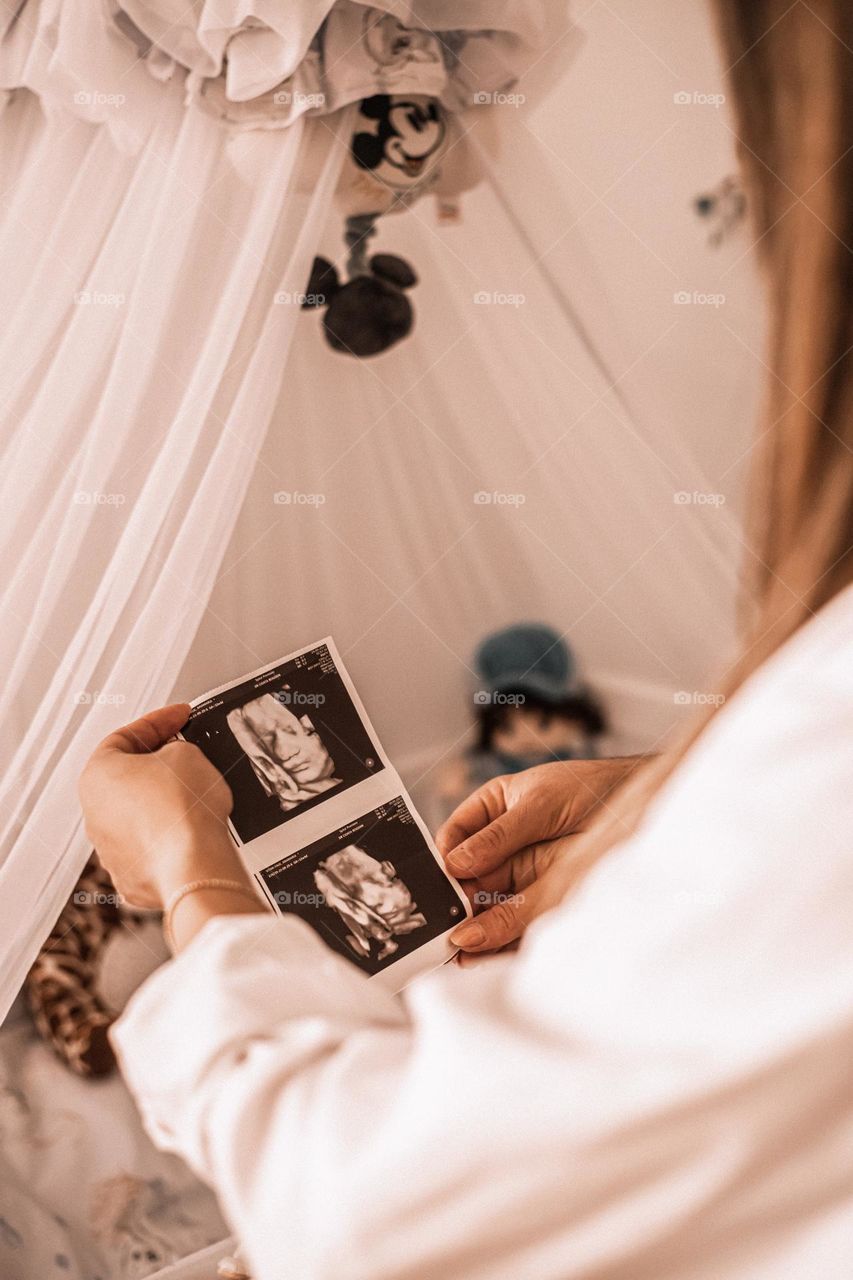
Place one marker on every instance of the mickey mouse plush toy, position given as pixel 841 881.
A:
pixel 370 312
pixel 394 159
pixel 407 138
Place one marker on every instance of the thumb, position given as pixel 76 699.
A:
pixel 485 850
pixel 148 732
pixel 499 924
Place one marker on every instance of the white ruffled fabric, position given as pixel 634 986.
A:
pixel 264 63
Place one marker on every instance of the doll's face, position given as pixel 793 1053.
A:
pixel 400 140
pixel 417 132
pixel 533 732
pixel 389 42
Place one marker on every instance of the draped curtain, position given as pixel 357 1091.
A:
pixel 151 299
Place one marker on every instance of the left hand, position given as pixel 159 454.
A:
pixel 156 810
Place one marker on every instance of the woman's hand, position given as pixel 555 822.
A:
pixel 156 810
pixel 513 843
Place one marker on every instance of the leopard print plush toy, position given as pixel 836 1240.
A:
pixel 61 987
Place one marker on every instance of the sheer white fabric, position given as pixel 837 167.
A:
pixel 141 362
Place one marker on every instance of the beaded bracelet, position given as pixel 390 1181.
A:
pixel 233 886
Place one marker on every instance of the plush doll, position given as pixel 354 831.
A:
pixel 397 154
pixel 400 140
pixel 370 312
pixel 60 987
pixel 97 954
pixel 530 710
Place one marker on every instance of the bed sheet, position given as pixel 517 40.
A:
pixel 84 1195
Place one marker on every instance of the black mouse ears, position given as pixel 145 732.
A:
pixel 394 270
pixel 324 282
pixel 369 313
pixel 322 285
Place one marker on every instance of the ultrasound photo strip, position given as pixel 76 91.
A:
pixel 321 817
pixel 285 738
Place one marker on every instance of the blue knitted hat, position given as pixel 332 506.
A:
pixel 526 657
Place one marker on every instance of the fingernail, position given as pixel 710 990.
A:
pixel 468 935
pixel 460 860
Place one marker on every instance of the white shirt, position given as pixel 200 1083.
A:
pixel 658 1086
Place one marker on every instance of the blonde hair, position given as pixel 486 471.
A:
pixel 790 70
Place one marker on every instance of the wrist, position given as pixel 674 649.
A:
pixel 194 903
pixel 197 855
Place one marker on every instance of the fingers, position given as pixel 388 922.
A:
pixel 499 925
pixel 148 732
pixel 474 813
pixel 485 850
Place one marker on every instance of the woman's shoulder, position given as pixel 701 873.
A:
pixel 808 679
pixel 780 753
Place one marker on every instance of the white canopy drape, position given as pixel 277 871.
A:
pixel 192 483
pixel 141 360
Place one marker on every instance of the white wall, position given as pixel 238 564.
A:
pixel 631 161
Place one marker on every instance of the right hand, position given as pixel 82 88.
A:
pixel 513 830
pixel 156 810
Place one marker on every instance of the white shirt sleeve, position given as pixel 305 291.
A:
pixel 657 1085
